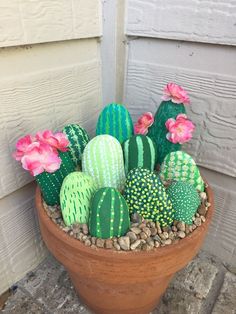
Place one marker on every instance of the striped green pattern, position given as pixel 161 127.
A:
pixel 139 151
pixel 116 121
pixel 76 193
pixel 158 131
pixel 179 166
pixel 78 138
pixel 185 201
pixel 146 195
pixel 103 160
pixel 50 183
pixel 109 216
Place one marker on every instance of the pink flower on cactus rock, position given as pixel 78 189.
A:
pixel 41 157
pixel 180 129
pixel 176 94
pixel 57 140
pixel 143 123
pixel 22 146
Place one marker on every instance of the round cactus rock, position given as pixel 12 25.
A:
pixel 139 151
pixel 116 121
pixel 109 216
pixel 179 166
pixel 78 138
pixel 146 195
pixel 75 197
pixel 103 160
pixel 185 201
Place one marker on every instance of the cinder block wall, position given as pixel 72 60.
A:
pixel 50 76
pixel 192 43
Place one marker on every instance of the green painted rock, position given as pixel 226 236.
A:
pixel 179 166
pixel 116 121
pixel 146 195
pixel 50 183
pixel 158 131
pixel 76 193
pixel 103 160
pixel 78 138
pixel 139 151
pixel 185 201
pixel 109 216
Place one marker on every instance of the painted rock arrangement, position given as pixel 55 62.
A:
pixel 119 178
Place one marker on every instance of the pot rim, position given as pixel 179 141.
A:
pixel 76 244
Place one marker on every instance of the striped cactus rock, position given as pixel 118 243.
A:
pixel 75 197
pixel 185 201
pixel 109 215
pixel 78 138
pixel 146 195
pixel 116 121
pixel 50 183
pixel 139 151
pixel 103 160
pixel 179 166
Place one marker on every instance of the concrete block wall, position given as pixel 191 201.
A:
pixel 191 43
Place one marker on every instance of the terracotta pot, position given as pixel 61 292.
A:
pixel 113 282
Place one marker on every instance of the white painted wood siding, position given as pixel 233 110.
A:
pixel 192 43
pixel 37 21
pixel 211 21
pixel 50 76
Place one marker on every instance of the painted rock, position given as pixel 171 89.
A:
pixel 76 193
pixel 185 201
pixel 179 166
pixel 146 195
pixel 103 160
pixel 109 216
pixel 139 151
pixel 116 121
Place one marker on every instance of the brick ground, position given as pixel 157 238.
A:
pixel 204 286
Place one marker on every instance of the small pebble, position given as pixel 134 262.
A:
pixel 208 204
pixel 162 236
pixel 87 242
pixel 181 234
pixel 168 242
pixel 93 246
pixel 152 224
pixel 194 226
pixel 132 236
pixel 174 228
pixel 166 229
pixel 153 231
pixel 85 229
pixel 135 245
pixel 66 229
pixel 108 244
pixel 157 238
pixel 203 195
pixel 156 244
pixel 124 243
pixel 158 227
pixel 181 226
pixel 203 218
pixel 143 235
pixel 144 247
pixel 198 221
pixel 116 246
pixel 202 210
pixel 165 234
pixel 197 215
pixel 93 240
pixel 134 224
pixel 147 231
pixel 136 218
pixel 188 229
pixel 142 225
pixel 136 230
pixel 171 235
pixel 100 243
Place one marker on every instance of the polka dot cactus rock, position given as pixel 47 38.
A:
pixel 179 166
pixel 109 216
pixel 146 195
pixel 185 201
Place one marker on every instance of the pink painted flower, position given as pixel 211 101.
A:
pixel 57 140
pixel 180 129
pixel 143 123
pixel 41 157
pixel 176 94
pixel 23 145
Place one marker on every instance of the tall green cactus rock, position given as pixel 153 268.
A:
pixel 146 195
pixel 185 201
pixel 179 166
pixel 78 138
pixel 76 193
pixel 116 121
pixel 109 215
pixel 103 160
pixel 158 131
pixel 50 183
pixel 139 151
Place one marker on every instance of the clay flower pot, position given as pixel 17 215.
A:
pixel 113 282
